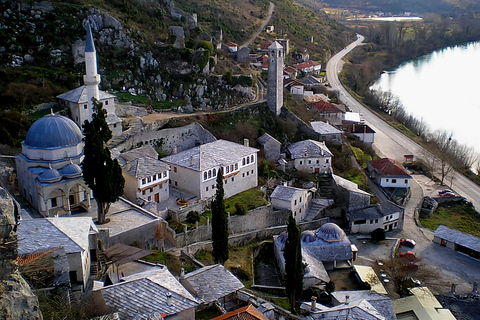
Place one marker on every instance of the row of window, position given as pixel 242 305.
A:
pixel 395 180
pixel 227 169
pixel 154 177
pixel 318 161
pixel 247 160
pixel 299 201
pixel 150 190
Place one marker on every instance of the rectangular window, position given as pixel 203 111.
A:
pixel 151 190
pixel 53 202
pixel 106 102
pixel 176 184
pixel 243 175
pixel 149 179
pixel 174 169
pixel 154 177
pixel 252 171
pixel 300 199
pixel 301 162
pixel 236 166
pixel 406 181
pixel 164 174
pixel 394 180
pixel 376 220
pixel 388 180
pixel 206 189
pixel 213 186
pixel 247 173
pixel 318 161
pixel 144 181
pixel 143 192
pixel 233 178
pixel 226 181
pixel 309 161
pixel 371 221
pixel 149 198
pixel 295 203
pixel 85 106
pixel 326 160
pixel 360 222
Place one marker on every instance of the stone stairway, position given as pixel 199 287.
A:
pixel 313 211
pixel 326 187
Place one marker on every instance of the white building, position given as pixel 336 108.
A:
pixel 146 177
pixel 389 173
pixel 76 234
pixel 311 156
pixel 384 215
pixel 79 100
pixel 294 199
pixel 327 132
pixel 195 170
pixel 48 169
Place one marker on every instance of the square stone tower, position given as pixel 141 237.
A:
pixel 275 78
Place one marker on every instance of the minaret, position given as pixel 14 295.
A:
pixel 275 78
pixel 91 79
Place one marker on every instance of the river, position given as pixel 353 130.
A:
pixel 442 88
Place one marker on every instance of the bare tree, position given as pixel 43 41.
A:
pixel 446 145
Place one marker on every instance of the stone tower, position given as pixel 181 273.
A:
pixel 91 79
pixel 275 78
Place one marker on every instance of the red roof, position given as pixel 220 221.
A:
pixel 245 313
pixel 388 167
pixel 307 64
pixel 325 107
pixel 265 44
pixel 231 44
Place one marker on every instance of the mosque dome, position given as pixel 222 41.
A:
pixel 308 236
pixel 71 170
pixel 49 176
pixel 53 131
pixel 330 232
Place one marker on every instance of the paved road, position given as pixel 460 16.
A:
pixel 269 16
pixel 388 141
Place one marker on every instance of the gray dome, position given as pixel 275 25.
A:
pixel 49 176
pixel 53 131
pixel 308 236
pixel 71 170
pixel 330 232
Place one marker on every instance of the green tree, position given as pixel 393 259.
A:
pixel 294 268
pixel 219 224
pixel 101 173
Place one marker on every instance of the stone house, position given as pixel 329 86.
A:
pixel 362 131
pixel 195 170
pixel 327 132
pixel 294 199
pixel 310 156
pixel 271 147
pixel 383 215
pixel 77 234
pixel 295 87
pixel 329 112
pixel 388 173
pixel 290 72
pixel 309 67
pixel 146 177
pixel 349 196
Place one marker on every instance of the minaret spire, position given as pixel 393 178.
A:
pixel 91 78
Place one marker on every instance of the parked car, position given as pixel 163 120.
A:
pixel 411 266
pixel 445 191
pixel 407 243
pixel 410 255
pixel 448 195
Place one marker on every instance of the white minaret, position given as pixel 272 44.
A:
pixel 275 78
pixel 91 79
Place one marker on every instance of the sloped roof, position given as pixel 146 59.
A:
pixel 360 128
pixel 329 251
pixel 314 267
pixel 379 301
pixel 324 128
pixel 359 309
pixel 423 304
pixel 389 167
pixel 245 313
pixel 145 151
pixel 308 149
pixel 210 155
pixel 375 211
pixel 79 95
pixel 457 237
pixel 40 234
pixel 145 293
pixel 212 282
pixel 120 253
pixel 231 44
pixel 349 185
pixel 264 138
pixel 285 192
pixel 275 46
pixel 145 167
pixel 310 81
pixel 326 107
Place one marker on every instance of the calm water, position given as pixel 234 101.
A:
pixel 443 89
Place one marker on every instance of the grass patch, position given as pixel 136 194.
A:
pixel 281 302
pixel 207 313
pixel 362 158
pixel 250 199
pixel 460 217
pixel 41 113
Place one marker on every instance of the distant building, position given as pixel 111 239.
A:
pixel 363 132
pixel 285 43
pixel 295 87
pixel 294 199
pixel 310 156
pixel 327 132
pixel 271 147
pixel 458 241
pixel 329 112
pixel 421 305
pixel 384 215
pixel 389 173
pixel 231 46
pixel 79 100
pixel 275 78
pixel 195 170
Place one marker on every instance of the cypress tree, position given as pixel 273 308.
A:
pixel 219 224
pixel 294 268
pixel 101 173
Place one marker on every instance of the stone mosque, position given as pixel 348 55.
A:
pixel 49 168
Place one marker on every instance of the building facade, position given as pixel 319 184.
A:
pixel 294 199
pixel 389 173
pixel 311 156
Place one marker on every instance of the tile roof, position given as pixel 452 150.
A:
pixel 375 211
pixel 310 81
pixel 360 128
pixel 389 167
pixel 79 95
pixel 40 234
pixel 379 301
pixel 211 283
pixel 245 313
pixel 142 294
pixel 315 267
pixel 285 192
pixel 457 237
pixel 145 151
pixel 324 128
pixel 210 155
pixel 231 44
pixel 145 167
pixel 308 148
pixel 349 185
pixel 264 138
pixel 359 309
pixel 326 107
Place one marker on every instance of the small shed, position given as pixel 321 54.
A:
pixel 458 241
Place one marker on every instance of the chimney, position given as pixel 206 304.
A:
pixel 313 305
pixel 182 272
pixel 246 142
pixel 169 299
pixel 191 161
pixel 174 151
pixel 347 300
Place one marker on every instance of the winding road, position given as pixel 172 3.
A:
pixel 389 142
pixel 264 23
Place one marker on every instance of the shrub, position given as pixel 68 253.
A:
pixel 378 235
pixel 192 217
pixel 240 209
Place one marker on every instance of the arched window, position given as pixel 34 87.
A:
pixel 209 174
pixel 236 167
pixel 252 158
pixel 243 161
pixel 205 175
pixel 248 160
pixel 214 172
pixel 231 167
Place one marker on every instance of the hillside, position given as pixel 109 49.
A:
pixel 41 50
